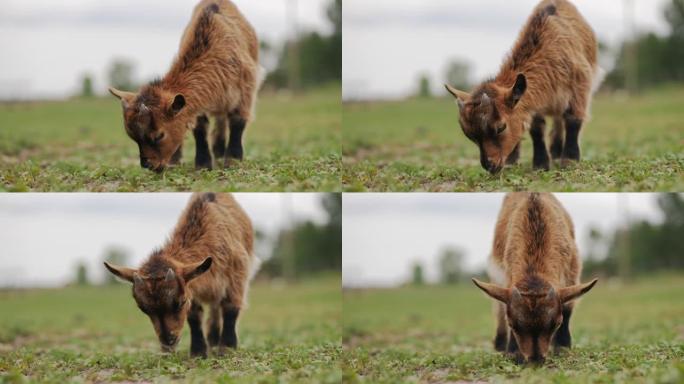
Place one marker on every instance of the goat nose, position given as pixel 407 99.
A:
pixel 493 168
pixel 145 163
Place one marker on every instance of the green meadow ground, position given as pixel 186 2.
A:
pixel 290 333
pixel 621 334
pixel 80 145
pixel 631 144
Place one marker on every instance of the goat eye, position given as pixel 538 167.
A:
pixel 501 129
pixel 158 138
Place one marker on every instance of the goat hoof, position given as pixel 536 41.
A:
pixel 231 162
pixel 542 166
pixel 202 354
pixel 568 162
pixel 203 165
pixel 518 358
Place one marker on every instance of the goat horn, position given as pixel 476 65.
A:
pixel 170 275
pixel 137 280
pixel 485 99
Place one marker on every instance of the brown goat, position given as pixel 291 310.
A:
pixel 537 269
pixel 207 260
pixel 216 72
pixel 550 71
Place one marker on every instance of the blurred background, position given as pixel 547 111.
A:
pixel 80 47
pixel 401 127
pixel 53 240
pixel 398 49
pixel 415 239
pixel 59 124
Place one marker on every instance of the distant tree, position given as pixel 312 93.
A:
pixel 651 247
pixel 674 15
pixel 424 87
pixel 458 74
pixel 417 277
pixel 335 41
pixel 451 265
pixel 659 59
pixel 114 255
pixel 87 86
pixel 319 57
pixel 309 248
pixel 121 74
pixel 81 274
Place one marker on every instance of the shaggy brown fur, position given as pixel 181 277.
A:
pixel 207 260
pixel 216 72
pixel 536 262
pixel 549 72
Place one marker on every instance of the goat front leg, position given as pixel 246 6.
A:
pixel 202 155
pixel 229 337
pixel 571 149
pixel 198 347
pixel 501 338
pixel 237 128
pixel 562 338
pixel 540 159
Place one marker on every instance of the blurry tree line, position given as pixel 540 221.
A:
pixel 309 59
pixel 640 247
pixel 304 249
pixel 113 255
pixel 456 74
pixel 644 61
pixel 450 262
pixel 649 59
pixel 308 248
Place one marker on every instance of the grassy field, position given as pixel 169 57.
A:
pixel 631 144
pixel 621 334
pixel 80 145
pixel 288 334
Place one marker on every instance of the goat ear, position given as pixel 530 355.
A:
pixel 193 270
pixel 575 291
pixel 121 272
pixel 125 97
pixel 178 103
pixel 518 90
pixel 461 97
pixel 494 291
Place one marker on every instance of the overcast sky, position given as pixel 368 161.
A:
pixel 388 43
pixel 384 234
pixel 44 235
pixel 46 45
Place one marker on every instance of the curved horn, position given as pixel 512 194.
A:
pixel 485 101
pixel 137 280
pixel 551 294
pixel 575 291
pixel 125 97
pixel 494 291
pixel 460 95
pixel 170 275
pixel 515 294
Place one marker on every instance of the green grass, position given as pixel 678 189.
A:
pixel 631 333
pixel 80 145
pixel 631 144
pixel 289 333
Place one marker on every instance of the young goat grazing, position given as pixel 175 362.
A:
pixel 549 72
pixel 216 72
pixel 207 260
pixel 537 269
